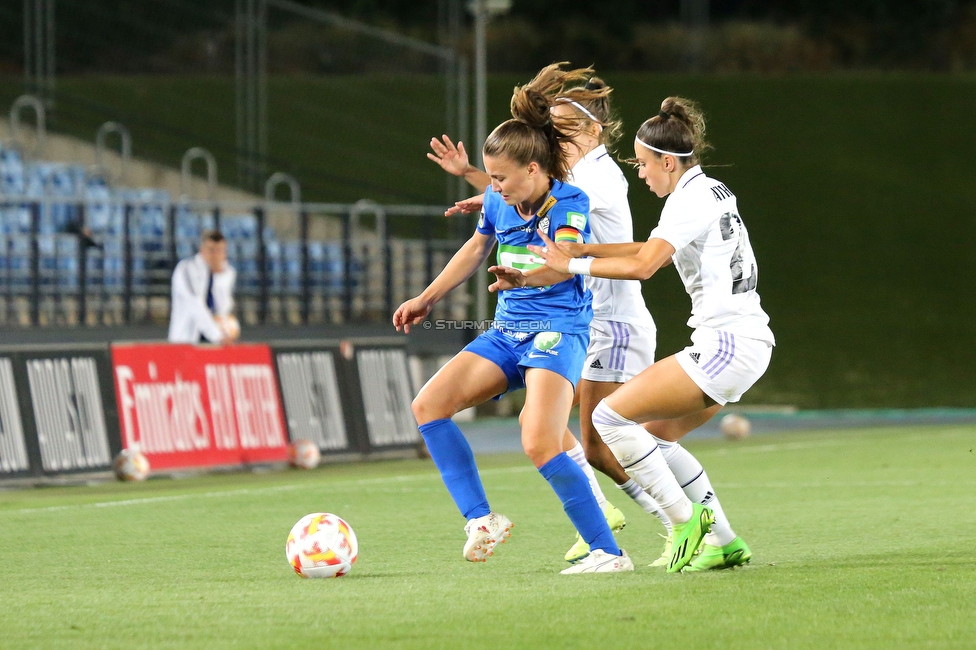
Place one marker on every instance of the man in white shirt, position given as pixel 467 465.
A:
pixel 203 295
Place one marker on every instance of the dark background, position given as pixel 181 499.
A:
pixel 935 35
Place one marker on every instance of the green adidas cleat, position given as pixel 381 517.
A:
pixel 687 537
pixel 616 521
pixel 713 558
pixel 665 558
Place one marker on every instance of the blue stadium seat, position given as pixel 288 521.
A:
pixel 272 262
pixel 326 267
pixel 18 262
pixel 52 180
pixel 47 259
pixel 246 264
pixel 239 226
pixel 292 263
pixel 4 260
pixel 104 214
pixel 66 250
pixel 11 173
pixel 14 217
pixel 148 229
pixel 113 264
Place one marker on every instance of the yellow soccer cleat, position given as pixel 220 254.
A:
pixel 665 558
pixel 615 520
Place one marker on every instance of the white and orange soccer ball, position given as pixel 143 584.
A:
pixel 131 465
pixel 321 545
pixel 735 426
pixel 304 454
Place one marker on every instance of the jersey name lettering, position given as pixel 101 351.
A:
pixel 720 192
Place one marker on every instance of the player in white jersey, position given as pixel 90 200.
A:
pixel 702 233
pixel 622 333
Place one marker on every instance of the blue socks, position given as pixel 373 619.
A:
pixel 452 455
pixel 571 486
pixel 454 459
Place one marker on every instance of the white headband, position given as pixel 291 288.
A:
pixel 567 100
pixel 669 153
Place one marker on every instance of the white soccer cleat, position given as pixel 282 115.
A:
pixel 601 562
pixel 483 533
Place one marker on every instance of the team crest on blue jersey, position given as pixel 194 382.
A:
pixel 544 226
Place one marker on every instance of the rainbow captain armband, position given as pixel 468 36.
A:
pixel 567 233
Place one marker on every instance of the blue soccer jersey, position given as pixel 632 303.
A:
pixel 563 307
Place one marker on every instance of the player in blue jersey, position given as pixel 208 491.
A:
pixel 622 332
pixel 540 334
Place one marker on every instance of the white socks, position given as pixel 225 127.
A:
pixel 640 457
pixel 579 457
pixel 694 481
pixel 644 500
pixel 631 488
pixel 650 462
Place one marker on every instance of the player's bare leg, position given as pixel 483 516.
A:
pixel 465 381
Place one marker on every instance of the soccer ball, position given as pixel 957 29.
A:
pixel 321 545
pixel 735 426
pixel 131 465
pixel 230 325
pixel 304 454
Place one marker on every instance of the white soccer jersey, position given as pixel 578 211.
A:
pixel 713 256
pixel 600 177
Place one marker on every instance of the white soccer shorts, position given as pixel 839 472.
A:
pixel 724 365
pixel 618 351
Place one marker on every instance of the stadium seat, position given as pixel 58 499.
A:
pixel 52 180
pixel 19 263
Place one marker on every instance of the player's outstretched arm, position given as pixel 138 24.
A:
pixel 509 278
pixel 454 160
pixel 473 204
pixel 653 254
pixel 601 250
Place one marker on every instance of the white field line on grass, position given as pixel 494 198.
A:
pixel 262 490
pixel 786 446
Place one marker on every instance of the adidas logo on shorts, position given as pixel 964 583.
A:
pixel 695 356
pixel 596 364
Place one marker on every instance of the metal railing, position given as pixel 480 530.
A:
pixel 69 261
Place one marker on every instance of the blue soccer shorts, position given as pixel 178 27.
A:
pixel 514 352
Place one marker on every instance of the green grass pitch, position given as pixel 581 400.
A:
pixel 861 539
